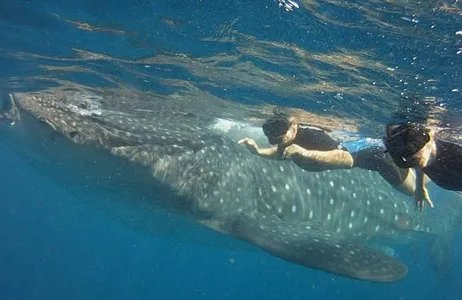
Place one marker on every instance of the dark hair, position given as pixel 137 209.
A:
pixel 404 140
pixel 276 126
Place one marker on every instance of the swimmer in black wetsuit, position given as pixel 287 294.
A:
pixel 312 149
pixel 413 145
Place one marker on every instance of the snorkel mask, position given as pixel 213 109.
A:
pixel 405 140
pixel 276 127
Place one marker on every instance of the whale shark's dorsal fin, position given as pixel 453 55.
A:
pixel 309 245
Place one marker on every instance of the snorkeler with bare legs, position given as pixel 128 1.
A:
pixel 412 145
pixel 313 149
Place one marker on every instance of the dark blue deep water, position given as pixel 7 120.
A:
pixel 53 246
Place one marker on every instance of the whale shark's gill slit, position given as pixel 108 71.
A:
pixel 316 248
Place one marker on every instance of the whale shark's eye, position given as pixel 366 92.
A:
pixel 72 134
pixel 190 115
pixel 83 105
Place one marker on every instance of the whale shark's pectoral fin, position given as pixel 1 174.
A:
pixel 308 245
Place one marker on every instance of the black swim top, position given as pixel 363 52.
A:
pixel 313 138
pixel 371 158
pixel 446 171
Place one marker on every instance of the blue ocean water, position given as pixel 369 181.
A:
pixel 54 246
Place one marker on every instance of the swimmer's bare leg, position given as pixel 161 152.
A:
pixel 312 160
pixel 421 192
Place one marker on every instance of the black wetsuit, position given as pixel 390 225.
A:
pixel 371 158
pixel 446 170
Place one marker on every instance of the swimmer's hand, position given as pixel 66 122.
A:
pixel 271 153
pixel 305 159
pixel 250 144
pixel 421 196
pixel 293 152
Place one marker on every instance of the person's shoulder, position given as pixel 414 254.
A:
pixel 307 127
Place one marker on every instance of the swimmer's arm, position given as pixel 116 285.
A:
pixel 312 160
pixel 409 183
pixel 421 193
pixel 271 153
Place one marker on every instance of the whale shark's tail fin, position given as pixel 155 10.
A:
pixel 308 245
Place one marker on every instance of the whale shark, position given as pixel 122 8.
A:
pixel 180 155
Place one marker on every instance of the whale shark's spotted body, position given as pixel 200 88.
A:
pixel 322 220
